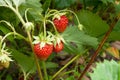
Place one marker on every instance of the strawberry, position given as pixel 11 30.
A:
pixel 59 47
pixel 44 52
pixel 61 23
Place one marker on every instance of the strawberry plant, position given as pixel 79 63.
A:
pixel 32 31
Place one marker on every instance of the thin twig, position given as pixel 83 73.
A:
pixel 98 49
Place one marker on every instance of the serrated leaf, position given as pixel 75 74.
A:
pixel 27 63
pixel 2 3
pixel 9 2
pixel 75 39
pixel 18 2
pixel 108 70
pixel 94 25
pixel 35 8
pixel 119 72
pixel 46 5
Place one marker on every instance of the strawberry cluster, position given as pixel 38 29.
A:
pixel 43 47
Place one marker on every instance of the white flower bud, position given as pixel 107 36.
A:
pixel 29 26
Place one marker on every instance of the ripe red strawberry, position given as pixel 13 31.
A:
pixel 44 52
pixel 61 23
pixel 59 47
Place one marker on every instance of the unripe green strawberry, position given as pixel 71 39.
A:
pixel 61 23
pixel 59 47
pixel 44 52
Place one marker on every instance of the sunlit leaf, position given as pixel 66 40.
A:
pixel 76 39
pixel 108 70
pixel 35 9
pixel 2 3
pixel 18 2
pixel 9 2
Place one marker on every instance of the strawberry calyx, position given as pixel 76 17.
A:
pixel 43 40
pixel 43 46
pixel 58 43
pixel 59 47
pixel 58 15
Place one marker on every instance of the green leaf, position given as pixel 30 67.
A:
pixel 9 2
pixel 27 63
pixel 18 2
pixel 76 39
pixel 9 77
pixel 51 65
pixel 70 78
pixel 117 27
pixel 46 5
pixel 117 9
pixel 115 33
pixel 94 25
pixel 63 3
pixel 9 16
pixel 108 1
pixel 2 3
pixel 35 9
pixel 90 2
pixel 108 70
pixel 114 36
pixel 119 72
pixel 5 30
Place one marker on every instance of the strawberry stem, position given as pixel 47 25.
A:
pixel 29 38
pixel 75 16
pixel 36 60
pixel 11 33
pixel 12 28
pixel 77 56
pixel 56 32
pixel 44 25
pixel 65 66
pixel 44 70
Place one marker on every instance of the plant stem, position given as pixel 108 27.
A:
pixel 36 60
pixel 80 28
pixel 53 26
pixel 45 71
pixel 12 28
pixel 8 34
pixel 65 66
pixel 30 40
pixel 44 25
pixel 98 49
pixel 18 15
